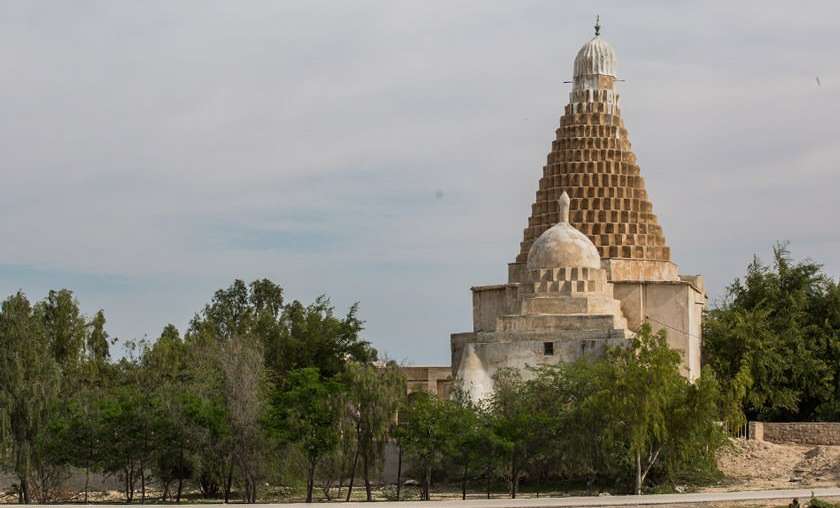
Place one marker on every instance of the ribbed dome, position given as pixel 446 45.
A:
pixel 563 246
pixel 595 57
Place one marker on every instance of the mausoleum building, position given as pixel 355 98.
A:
pixel 593 264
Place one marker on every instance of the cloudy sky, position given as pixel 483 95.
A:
pixel 388 152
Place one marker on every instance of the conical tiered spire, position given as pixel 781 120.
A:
pixel 592 161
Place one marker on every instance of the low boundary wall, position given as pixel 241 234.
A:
pixel 809 433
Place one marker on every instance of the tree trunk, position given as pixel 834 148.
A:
pixel 428 481
pixel 142 464
pixel 228 482
pixel 514 476
pixel 399 472
pixel 367 477
pixel 180 469
pixel 310 481
pixel 129 483
pixel 40 485
pixel 638 473
pixel 23 495
pixel 180 487
pixel 22 470
pixel 252 491
pixel 488 478
pixel 87 482
pixel 464 482
pixel 326 488
pixel 142 483
pixel 353 474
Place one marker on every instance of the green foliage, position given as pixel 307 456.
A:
pixel 816 502
pixel 293 335
pixel 97 340
pixel 30 380
pixel 312 336
pixel 665 423
pixel 240 310
pixel 514 421
pixel 775 342
pixel 471 446
pixel 628 419
pixel 424 433
pixel 64 326
pixel 305 412
pixel 374 395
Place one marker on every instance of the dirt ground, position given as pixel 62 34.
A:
pixel 752 465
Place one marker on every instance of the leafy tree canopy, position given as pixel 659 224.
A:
pixel 774 341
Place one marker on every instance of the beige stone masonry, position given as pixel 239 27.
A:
pixel 809 433
pixel 592 161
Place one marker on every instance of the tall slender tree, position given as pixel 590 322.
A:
pixel 424 433
pixel 29 386
pixel 375 394
pixel 305 412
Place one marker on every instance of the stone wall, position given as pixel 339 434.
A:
pixel 435 380
pixel 676 306
pixel 811 433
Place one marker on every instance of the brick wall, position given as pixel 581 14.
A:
pixel 812 433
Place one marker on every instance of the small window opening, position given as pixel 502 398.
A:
pixel 548 348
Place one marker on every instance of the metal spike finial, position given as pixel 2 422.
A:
pixel 597 25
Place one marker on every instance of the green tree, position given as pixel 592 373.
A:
pixel 241 310
pixel 653 408
pixel 305 412
pixel 73 434
pixel 514 421
pixel 65 328
pixel 424 433
pixel 775 341
pixel 374 395
pixel 313 336
pixel 640 386
pixel 469 438
pixel 96 344
pixel 29 386
pixel 124 424
pixel 293 335
pixel 172 408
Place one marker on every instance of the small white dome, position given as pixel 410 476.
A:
pixel 563 246
pixel 595 57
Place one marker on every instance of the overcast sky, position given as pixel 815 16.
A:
pixel 388 152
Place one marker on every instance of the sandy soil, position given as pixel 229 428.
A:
pixel 752 465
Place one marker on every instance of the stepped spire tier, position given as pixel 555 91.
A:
pixel 591 159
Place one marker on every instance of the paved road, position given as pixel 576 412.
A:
pixel 551 502
pixel 647 500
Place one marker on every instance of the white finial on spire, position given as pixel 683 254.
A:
pixel 563 207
